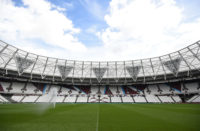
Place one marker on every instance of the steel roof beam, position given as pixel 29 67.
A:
pixel 3 49
pixel 185 62
pixel 165 77
pixel 55 69
pixel 10 59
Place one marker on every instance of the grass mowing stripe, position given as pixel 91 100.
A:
pixel 101 117
pixel 145 117
pixel 97 125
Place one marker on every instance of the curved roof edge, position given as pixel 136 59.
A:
pixel 197 42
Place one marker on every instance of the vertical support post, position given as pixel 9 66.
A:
pixel 99 74
pixel 154 77
pixel 125 73
pixel 34 66
pixel 82 71
pixel 143 71
pixel 64 71
pixel 108 73
pixel 25 59
pixel 163 68
pixel 189 68
pixel 73 73
pixel 2 50
pixel 173 65
pixel 91 73
pixel 116 72
pixel 133 67
pixel 55 69
pixel 45 67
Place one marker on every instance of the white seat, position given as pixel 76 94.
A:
pixel 93 98
pixel 139 99
pixel 104 98
pixel 127 98
pixel 116 99
pixel 152 98
pixel 30 99
pixel 70 99
pixel 82 99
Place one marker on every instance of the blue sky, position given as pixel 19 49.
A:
pixel 86 14
pixel 100 29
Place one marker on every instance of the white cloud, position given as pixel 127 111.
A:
pixel 146 28
pixel 136 29
pixel 38 20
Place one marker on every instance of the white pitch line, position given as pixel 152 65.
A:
pixel 97 125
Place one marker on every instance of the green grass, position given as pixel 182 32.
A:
pixel 100 117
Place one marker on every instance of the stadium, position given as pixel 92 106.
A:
pixel 42 92
pixel 171 78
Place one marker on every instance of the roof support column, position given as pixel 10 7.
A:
pixel 44 68
pixel 91 73
pixel 54 69
pixel 34 66
pixel 154 77
pixel 185 62
pixel 125 82
pixel 143 71
pixel 73 73
pixel 82 69
pixel 173 65
pixel 163 68
pixel 107 73
pixel 116 80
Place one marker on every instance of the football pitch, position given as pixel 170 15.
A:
pixel 100 117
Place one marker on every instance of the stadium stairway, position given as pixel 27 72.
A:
pixel 173 99
pixel 25 87
pixel 48 89
pixel 88 99
pixel 2 99
pixel 64 99
pixel 98 99
pixel 36 99
pixel 76 99
pixel 109 98
pixel 8 97
pixel 195 98
pixel 146 99
pixel 159 99
pixel 22 99
pixel 159 90
pixel 133 99
pixel 10 87
pixel 60 90
pixel 121 99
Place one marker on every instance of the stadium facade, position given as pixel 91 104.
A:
pixel 174 77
